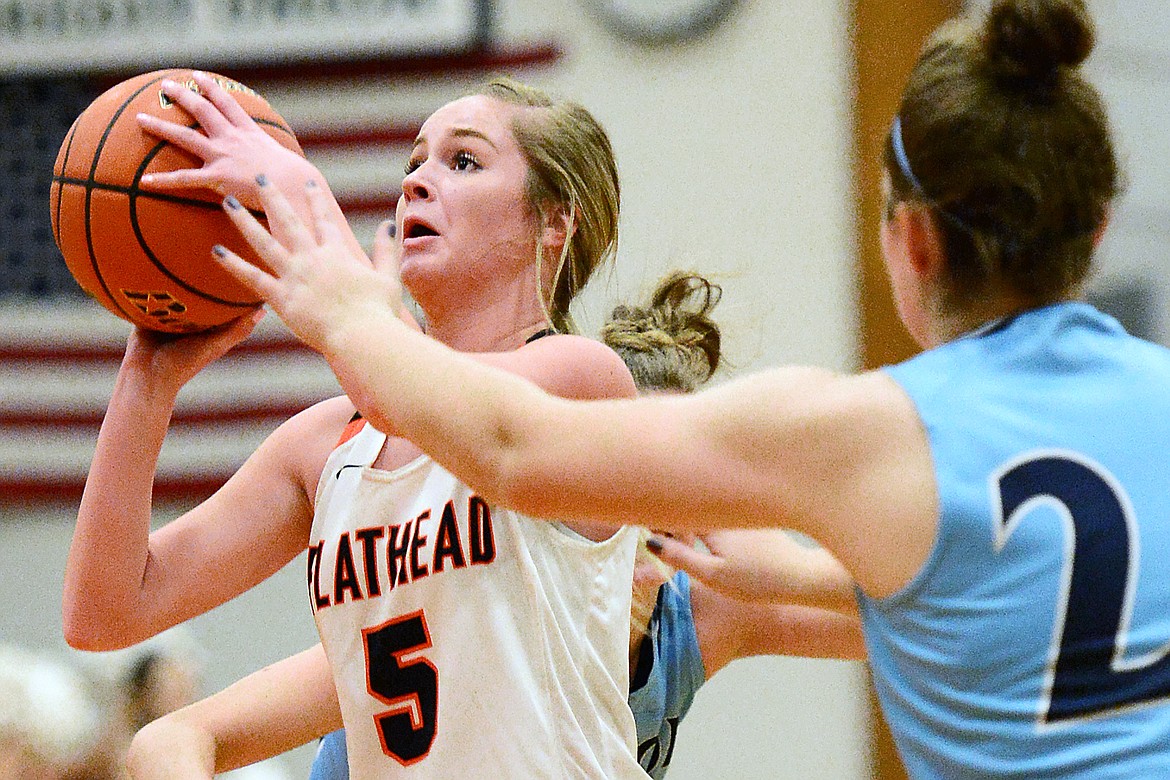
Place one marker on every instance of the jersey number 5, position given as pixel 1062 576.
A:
pixel 409 689
pixel 1092 675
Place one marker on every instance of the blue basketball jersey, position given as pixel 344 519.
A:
pixel 331 761
pixel 669 673
pixel 1033 642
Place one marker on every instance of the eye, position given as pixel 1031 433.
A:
pixel 465 161
pixel 411 166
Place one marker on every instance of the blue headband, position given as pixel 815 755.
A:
pixel 904 166
pixel 901 158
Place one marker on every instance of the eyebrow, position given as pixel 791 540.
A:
pixel 459 132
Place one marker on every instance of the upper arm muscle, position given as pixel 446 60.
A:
pixel 251 527
pixel 842 459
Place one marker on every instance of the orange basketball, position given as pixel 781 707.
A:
pixel 146 256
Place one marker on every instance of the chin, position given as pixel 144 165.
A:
pixel 424 277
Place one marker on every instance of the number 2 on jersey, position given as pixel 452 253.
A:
pixel 1092 676
pixel 409 689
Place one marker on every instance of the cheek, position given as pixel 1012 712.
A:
pixel 502 222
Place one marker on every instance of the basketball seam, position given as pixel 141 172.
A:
pixel 132 200
pixel 60 190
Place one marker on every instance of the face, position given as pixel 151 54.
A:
pixel 464 221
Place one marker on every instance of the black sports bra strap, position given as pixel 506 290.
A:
pixel 540 334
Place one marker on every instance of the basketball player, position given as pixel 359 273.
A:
pixel 998 499
pixel 465 639
pixel 682 632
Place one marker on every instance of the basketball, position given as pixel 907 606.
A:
pixel 146 256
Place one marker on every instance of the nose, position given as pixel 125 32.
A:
pixel 414 185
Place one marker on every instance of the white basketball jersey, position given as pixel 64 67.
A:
pixel 466 640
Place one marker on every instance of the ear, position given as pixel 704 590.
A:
pixel 559 226
pixel 918 225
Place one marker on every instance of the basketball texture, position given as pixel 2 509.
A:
pixel 146 256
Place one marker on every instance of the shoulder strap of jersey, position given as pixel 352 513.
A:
pixel 351 429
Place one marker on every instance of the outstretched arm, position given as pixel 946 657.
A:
pixel 796 447
pixel 271 711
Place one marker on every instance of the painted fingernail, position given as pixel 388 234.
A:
pixel 231 202
pixel 219 251
pixel 311 184
pixel 261 179
pixel 654 544
pixel 391 229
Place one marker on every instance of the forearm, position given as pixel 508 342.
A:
pixel 109 552
pixel 172 749
pixel 269 712
pixel 807 633
pixel 816 579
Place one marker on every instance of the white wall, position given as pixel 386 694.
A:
pixel 1131 67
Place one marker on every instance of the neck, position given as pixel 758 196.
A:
pixel 504 338
pixel 500 320
pixel 950 324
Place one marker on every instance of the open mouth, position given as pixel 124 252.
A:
pixel 413 228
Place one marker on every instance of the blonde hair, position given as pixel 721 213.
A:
pixel 671 343
pixel 571 167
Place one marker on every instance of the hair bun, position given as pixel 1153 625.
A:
pixel 671 342
pixel 1031 39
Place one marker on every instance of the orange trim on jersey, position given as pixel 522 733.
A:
pixel 351 429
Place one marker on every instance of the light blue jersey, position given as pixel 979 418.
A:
pixel 1033 642
pixel 331 761
pixel 666 680
pixel 669 672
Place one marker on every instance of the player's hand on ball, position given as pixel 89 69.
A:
pixel 233 147
pixel 316 281
pixel 175 359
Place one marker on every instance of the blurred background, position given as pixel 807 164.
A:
pixel 747 133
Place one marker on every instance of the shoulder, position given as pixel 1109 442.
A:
pixel 569 366
pixel 304 441
pixel 322 420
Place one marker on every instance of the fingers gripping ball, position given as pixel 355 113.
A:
pixel 146 256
